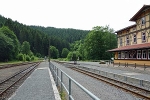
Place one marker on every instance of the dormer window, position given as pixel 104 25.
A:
pixel 127 40
pixel 143 37
pixel 143 20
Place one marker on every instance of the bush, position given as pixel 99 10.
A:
pixel 38 55
pixel 28 58
pixel 24 55
pixel 31 53
pixel 32 58
pixel 69 56
pixel 20 57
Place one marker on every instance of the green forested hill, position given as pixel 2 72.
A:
pixel 89 44
pixel 39 37
pixel 70 35
pixel 2 20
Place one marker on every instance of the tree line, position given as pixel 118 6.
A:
pixel 22 41
pixel 39 40
pixel 69 35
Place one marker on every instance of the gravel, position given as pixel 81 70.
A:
pixel 100 89
pixel 7 72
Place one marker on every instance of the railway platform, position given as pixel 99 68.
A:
pixel 138 76
pixel 138 73
pixel 38 86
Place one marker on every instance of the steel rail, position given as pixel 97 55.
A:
pixel 31 68
pixel 1 82
pixel 114 83
pixel 13 65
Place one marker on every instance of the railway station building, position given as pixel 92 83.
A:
pixel 134 41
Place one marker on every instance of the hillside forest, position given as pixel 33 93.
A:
pixel 26 43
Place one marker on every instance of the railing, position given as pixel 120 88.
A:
pixel 55 72
pixel 132 65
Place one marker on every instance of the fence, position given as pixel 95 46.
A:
pixel 131 65
pixel 59 80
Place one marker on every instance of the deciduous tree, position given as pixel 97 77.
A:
pixel 54 52
pixel 65 52
pixel 9 45
pixel 25 48
pixel 98 41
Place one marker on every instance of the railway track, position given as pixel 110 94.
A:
pixel 10 83
pixel 140 92
pixel 14 65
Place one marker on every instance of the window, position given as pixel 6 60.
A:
pixel 122 55
pixel 120 41
pixel 144 54
pixel 119 55
pixel 138 54
pixel 143 37
pixel 127 40
pixel 126 54
pixel 143 20
pixel 149 54
pixel 134 38
pixel 132 54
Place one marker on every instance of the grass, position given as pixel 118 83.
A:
pixel 62 59
pixel 10 62
pixel 16 62
pixel 62 93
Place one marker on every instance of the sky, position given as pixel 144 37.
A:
pixel 76 14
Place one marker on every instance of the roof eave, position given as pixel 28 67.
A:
pixel 113 50
pixel 135 16
pixel 125 28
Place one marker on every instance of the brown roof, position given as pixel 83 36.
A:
pixel 134 17
pixel 139 12
pixel 130 47
pixel 125 28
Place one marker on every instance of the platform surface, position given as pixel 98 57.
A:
pixel 130 72
pixel 38 86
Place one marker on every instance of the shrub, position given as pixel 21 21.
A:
pixel 32 58
pixel 38 55
pixel 24 55
pixel 69 56
pixel 20 57
pixel 28 58
pixel 31 53
pixel 36 58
